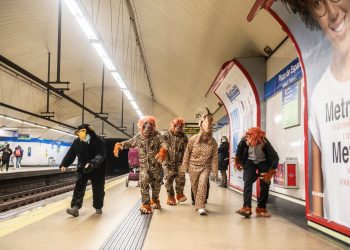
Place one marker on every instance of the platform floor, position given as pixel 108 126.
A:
pixel 178 227
pixel 26 169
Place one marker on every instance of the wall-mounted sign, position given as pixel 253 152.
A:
pixel 23 137
pixel 291 105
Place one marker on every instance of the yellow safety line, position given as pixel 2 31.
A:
pixel 27 218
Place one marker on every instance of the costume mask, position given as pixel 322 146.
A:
pixel 176 126
pixel 148 129
pixel 206 123
pixel 83 136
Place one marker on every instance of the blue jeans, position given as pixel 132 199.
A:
pixel 18 162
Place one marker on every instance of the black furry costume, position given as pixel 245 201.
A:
pixel 91 165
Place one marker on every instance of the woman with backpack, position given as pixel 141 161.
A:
pixel 18 154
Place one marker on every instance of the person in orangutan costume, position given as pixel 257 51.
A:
pixel 152 152
pixel 201 158
pixel 255 152
pixel 177 142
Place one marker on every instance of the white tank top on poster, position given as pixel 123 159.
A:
pixel 329 123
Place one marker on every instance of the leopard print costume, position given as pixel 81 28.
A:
pixel 199 160
pixel 150 168
pixel 176 149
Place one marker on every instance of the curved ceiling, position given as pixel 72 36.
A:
pixel 185 43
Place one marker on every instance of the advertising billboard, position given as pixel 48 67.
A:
pixel 321 34
pixel 240 100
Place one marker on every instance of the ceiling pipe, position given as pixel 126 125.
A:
pixel 54 90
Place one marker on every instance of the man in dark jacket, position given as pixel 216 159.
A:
pixel 255 152
pixel 91 153
pixel 6 154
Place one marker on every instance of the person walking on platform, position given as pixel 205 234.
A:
pixel 201 158
pixel 152 152
pixel 177 142
pixel 223 155
pixel 18 154
pixel 6 154
pixel 91 153
pixel 255 153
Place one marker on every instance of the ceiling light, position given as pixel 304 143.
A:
pixel 62 132
pixel 20 121
pixel 128 95
pixel 119 80
pixel 134 105
pixel 139 113
pixel 89 32
pixel 102 53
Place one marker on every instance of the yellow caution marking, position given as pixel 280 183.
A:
pixel 27 218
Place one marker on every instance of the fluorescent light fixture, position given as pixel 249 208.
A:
pixel 128 95
pixel 139 113
pixel 102 53
pixel 20 121
pixel 119 80
pixel 78 13
pixel 134 105
pixel 74 8
pixel 62 132
pixel 89 32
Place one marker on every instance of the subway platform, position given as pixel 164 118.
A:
pixel 45 224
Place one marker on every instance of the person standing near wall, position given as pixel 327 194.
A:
pixel 223 156
pixel 255 152
pixel 18 153
pixel 91 153
pixel 6 154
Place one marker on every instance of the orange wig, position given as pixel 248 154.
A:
pixel 256 136
pixel 149 119
pixel 176 122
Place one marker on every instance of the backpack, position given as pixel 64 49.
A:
pixel 18 152
pixel 133 157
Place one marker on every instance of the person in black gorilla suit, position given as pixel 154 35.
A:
pixel 91 153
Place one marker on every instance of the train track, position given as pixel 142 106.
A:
pixel 26 197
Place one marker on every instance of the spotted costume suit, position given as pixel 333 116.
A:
pixel 150 168
pixel 176 149
pixel 200 158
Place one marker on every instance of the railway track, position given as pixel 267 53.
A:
pixel 39 189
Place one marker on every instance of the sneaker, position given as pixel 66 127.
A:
pixel 74 211
pixel 202 211
pixel 98 211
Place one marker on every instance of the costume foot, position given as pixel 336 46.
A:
pixel 171 201
pixel 74 211
pixel 262 212
pixel 181 198
pixel 155 203
pixel 146 209
pixel 98 211
pixel 245 211
pixel 202 211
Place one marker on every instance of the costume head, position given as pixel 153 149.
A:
pixel 177 125
pixel 255 136
pixel 85 132
pixel 206 124
pixel 147 126
pixel 224 139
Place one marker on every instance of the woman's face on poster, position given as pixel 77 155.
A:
pixel 333 16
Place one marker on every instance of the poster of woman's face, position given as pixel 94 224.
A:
pixel 321 32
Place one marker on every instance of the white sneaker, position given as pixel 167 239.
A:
pixel 202 211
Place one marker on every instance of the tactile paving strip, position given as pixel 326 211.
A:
pixel 131 232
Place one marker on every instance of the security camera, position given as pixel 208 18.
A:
pixel 268 50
